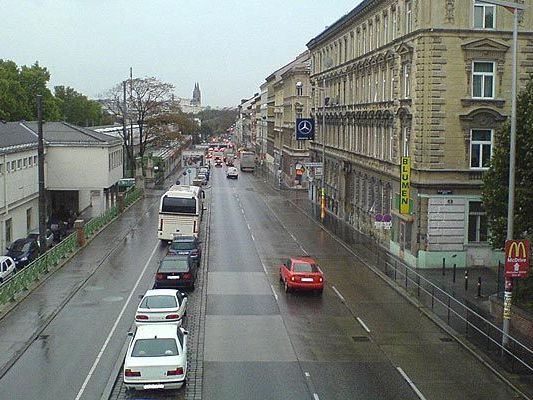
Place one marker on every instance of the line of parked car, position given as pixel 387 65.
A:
pixel 156 357
pixel 22 252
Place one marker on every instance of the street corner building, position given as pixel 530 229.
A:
pixel 428 83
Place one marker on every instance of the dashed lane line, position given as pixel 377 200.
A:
pixel 363 324
pixel 410 382
pixel 104 346
pixel 276 296
pixel 339 294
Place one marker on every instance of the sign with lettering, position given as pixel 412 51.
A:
pixel 516 258
pixel 405 184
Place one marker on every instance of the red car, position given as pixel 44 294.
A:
pixel 301 273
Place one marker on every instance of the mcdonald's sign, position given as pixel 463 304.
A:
pixel 516 258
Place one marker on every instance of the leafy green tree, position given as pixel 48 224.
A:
pixel 76 108
pixel 218 121
pixel 496 183
pixel 19 88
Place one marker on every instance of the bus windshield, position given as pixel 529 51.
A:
pixel 178 205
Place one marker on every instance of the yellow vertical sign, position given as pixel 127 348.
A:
pixel 405 184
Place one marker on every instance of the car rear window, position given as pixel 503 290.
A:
pixel 155 348
pixel 181 246
pixel 174 266
pixel 304 267
pixel 178 205
pixel 150 302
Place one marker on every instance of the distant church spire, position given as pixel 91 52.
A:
pixel 196 95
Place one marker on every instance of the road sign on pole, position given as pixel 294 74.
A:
pixel 516 258
pixel 305 129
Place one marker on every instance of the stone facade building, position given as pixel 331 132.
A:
pixel 428 80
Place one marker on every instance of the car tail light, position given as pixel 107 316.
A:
pixel 161 224
pixel 292 278
pixel 194 253
pixel 159 277
pixel 177 371
pixel 195 230
pixel 187 276
pixel 129 372
pixel 172 316
pixel 141 317
pixel 320 279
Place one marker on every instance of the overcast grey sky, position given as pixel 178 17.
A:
pixel 228 46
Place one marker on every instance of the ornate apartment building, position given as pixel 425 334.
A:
pixel 428 80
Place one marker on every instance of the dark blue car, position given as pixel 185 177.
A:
pixel 23 252
pixel 186 246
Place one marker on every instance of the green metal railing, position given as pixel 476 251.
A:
pixel 23 279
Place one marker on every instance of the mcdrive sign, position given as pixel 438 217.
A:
pixel 516 258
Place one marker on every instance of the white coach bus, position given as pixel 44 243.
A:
pixel 180 212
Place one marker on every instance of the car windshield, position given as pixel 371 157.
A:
pixel 304 267
pixel 181 246
pixel 20 247
pixel 150 302
pixel 155 348
pixel 174 265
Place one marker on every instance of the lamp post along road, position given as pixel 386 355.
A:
pixel 514 8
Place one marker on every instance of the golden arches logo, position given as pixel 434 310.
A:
pixel 519 250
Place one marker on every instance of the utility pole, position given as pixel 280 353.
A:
pixel 125 130
pixel 40 157
pixel 132 145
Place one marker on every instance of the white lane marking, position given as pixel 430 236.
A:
pixel 410 382
pixel 99 356
pixel 315 396
pixel 276 296
pixel 252 235
pixel 338 294
pixel 307 374
pixel 363 324
pixel 248 225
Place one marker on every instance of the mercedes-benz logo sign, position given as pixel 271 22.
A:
pixel 305 127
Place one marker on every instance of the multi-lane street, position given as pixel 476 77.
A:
pixel 249 339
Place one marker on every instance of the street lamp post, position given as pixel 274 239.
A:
pixel 514 8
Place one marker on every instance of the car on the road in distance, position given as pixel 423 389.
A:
pixel 161 306
pixel 301 273
pixel 218 162
pixel 186 246
pixel 7 268
pixel 205 171
pixel 176 272
pixel 156 358
pixel 232 173
pixel 23 252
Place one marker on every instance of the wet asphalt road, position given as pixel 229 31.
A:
pixel 259 343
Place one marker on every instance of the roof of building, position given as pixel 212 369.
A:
pixel 340 23
pixel 298 60
pixel 15 136
pixel 18 135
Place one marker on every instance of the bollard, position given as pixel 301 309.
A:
pixel 466 279
pixel 443 266
pixel 120 201
pixel 454 271
pixel 479 287
pixel 80 234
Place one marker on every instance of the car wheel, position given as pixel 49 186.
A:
pixel 287 288
pixel 1 280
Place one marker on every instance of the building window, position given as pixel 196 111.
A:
pixel 28 219
pixel 25 162
pixel 19 163
pixel 408 17
pixel 13 165
pixel 385 28
pixel 406 133
pixel 407 80
pixel 480 148
pixel 394 20
pixel 35 160
pixel 1 168
pixel 484 15
pixel 483 80
pixel 477 222
pixel 9 230
pixel 299 90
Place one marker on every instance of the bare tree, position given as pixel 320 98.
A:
pixel 146 98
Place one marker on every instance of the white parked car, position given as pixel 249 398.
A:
pixel 156 358
pixel 232 172
pixel 7 268
pixel 163 306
